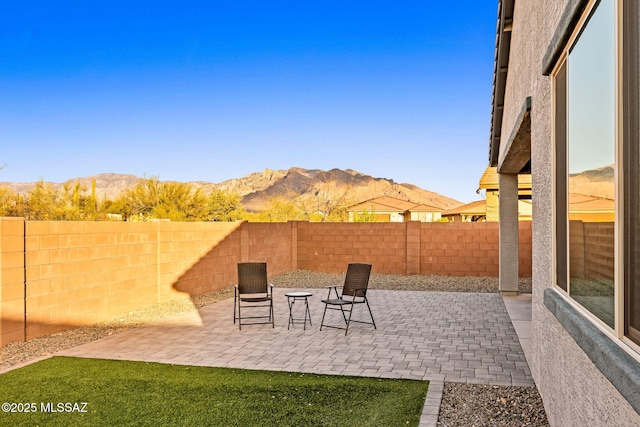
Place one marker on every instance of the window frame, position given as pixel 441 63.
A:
pixel 630 159
pixel 560 158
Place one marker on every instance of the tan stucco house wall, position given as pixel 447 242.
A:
pixel 576 390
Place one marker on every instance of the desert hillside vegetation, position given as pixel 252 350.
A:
pixel 268 196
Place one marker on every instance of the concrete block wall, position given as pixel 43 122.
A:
pixel 591 250
pixel 272 243
pixel 197 258
pixel 577 265
pixel 460 249
pixel 457 249
pixel 525 242
pixel 469 249
pixel 329 247
pixel 77 273
pixel 12 319
pixel 599 249
pixel 85 272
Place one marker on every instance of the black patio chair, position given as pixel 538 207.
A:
pixel 254 291
pixel 354 291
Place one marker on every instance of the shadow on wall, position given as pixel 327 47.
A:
pixel 80 273
pixel 61 275
pixel 217 269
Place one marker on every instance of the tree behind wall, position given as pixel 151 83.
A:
pixel 67 203
pixel 176 201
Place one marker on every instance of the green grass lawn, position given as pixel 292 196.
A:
pixel 94 392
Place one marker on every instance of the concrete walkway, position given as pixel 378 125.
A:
pixel 519 309
pixel 435 336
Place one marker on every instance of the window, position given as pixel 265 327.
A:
pixel 597 230
pixel 591 141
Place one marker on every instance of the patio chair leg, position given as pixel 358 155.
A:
pixel 323 314
pixel 370 313
pixel 273 318
pixel 343 316
pixel 239 316
pixel 235 297
pixel 349 321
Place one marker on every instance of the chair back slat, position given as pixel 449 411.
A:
pixel 252 277
pixel 357 278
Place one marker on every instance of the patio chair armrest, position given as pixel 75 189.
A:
pixel 335 288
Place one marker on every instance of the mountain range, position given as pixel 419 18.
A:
pixel 594 182
pixel 259 188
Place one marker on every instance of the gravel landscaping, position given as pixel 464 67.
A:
pixel 481 405
pixel 462 404
pixel 309 279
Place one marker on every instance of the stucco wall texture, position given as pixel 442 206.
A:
pixel 574 391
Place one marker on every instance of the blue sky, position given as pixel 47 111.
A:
pixel 215 90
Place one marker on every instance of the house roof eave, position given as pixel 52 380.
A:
pixel 500 71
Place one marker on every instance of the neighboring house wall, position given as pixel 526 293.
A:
pixel 575 392
pixel 395 216
pixel 489 183
pixel 376 215
pixel 493 213
pixel 80 273
pixel 525 209
pixel 390 209
pixel 425 216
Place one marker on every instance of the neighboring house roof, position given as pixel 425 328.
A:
pixel 386 204
pixel 489 180
pixel 474 208
pixel 425 208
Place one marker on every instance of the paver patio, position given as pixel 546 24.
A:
pixel 437 336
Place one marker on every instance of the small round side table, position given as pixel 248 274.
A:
pixel 291 299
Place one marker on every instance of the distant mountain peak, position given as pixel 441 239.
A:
pixel 258 189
